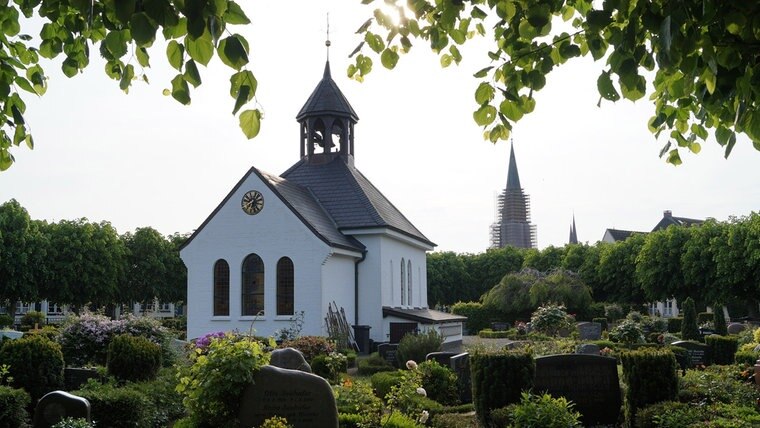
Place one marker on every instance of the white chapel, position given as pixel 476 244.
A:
pixel 318 233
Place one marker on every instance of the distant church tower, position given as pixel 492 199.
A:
pixel 512 225
pixel 573 233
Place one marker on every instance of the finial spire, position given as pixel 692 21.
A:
pixel 327 42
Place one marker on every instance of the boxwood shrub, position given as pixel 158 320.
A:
pixel 373 364
pixel 478 316
pixel 674 324
pixel 36 364
pixel 722 348
pixel 416 346
pixel 499 378
pixel 116 407
pixel 133 359
pixel 13 404
pixel 746 357
pixel 382 382
pixel 651 375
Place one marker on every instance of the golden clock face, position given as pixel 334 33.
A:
pixel 253 202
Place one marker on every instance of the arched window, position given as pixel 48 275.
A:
pixel 409 281
pixel 221 288
pixel 252 289
pixel 285 283
pixel 403 282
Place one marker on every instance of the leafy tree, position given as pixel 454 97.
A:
pixel 698 260
pixel 738 260
pixel 511 296
pixel 488 268
pixel 589 271
pixel 152 270
pixel 695 59
pixel 84 264
pixel 20 250
pixel 658 264
pixel 689 328
pixel 544 260
pixel 448 279
pixel 617 270
pixel 562 287
pixel 123 31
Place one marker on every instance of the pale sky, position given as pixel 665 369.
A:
pixel 145 160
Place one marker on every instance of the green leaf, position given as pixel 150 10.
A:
pixel 70 67
pixel 116 43
pixel 232 52
pixel 735 21
pixel 234 15
pixel 126 77
pixel 192 76
pixel 242 98
pixel 250 123
pixel 143 29
pixel 484 93
pixel 710 80
pixel 695 147
pixel 142 56
pixel 29 141
pixel 11 25
pixel 446 60
pixel 499 132
pixel 674 158
pixel 175 52
pixel 483 72
pixel 458 36
pixel 374 42
pixel 240 79
pixel 598 19
pixel 19 135
pixel 511 110
pixel 6 159
pixel 180 90
pixel 606 88
pixel 200 49
pixel 124 9
pixel 389 58
pixel 24 84
pixel 485 115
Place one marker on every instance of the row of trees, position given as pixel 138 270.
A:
pixel 712 262
pixel 78 262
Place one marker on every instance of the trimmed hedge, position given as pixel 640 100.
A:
pixel 498 380
pixel 746 357
pixel 13 403
pixel 723 348
pixel 719 320
pixel 373 364
pixel 382 382
pixel 689 327
pixel 651 376
pixel 490 334
pixel 704 317
pixel 674 324
pixel 478 316
pixel 350 420
pixel 36 364
pixel 133 358
pixel 602 321
pixel 440 382
pixel 117 407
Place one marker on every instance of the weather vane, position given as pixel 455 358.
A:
pixel 327 42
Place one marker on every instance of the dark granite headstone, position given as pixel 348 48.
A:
pixel 588 349
pixel 699 353
pixel 442 358
pixel 304 399
pixel 289 358
pixel 499 326
pixel 58 405
pixel 461 365
pixel 590 330
pixel 736 328
pixel 388 352
pixel 590 381
pixel 74 378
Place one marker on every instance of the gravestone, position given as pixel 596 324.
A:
pixel 304 399
pixel 11 334
pixel 588 349
pixel 499 326
pixel 699 353
pixel 460 364
pixel 590 381
pixel 442 358
pixel 58 405
pixel 590 330
pixel 388 352
pixel 516 344
pixel 736 328
pixel 73 378
pixel 289 358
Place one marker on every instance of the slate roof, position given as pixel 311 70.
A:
pixel 669 220
pixel 513 178
pixel 423 315
pixel 327 99
pixel 621 235
pixel 349 198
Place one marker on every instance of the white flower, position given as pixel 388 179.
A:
pixel 424 417
pixel 411 365
pixel 421 391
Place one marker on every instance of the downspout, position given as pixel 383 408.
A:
pixel 356 286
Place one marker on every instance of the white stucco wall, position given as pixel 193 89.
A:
pixel 273 233
pixel 338 285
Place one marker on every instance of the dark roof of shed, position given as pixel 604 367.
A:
pixel 423 315
pixel 350 199
pixel 327 99
pixel 621 235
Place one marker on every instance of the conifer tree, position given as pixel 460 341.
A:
pixel 689 329
pixel 719 320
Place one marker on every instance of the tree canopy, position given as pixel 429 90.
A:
pixel 697 60
pixel 123 32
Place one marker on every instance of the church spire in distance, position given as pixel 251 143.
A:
pixel 573 233
pixel 513 226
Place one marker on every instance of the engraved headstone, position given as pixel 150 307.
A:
pixel 590 381
pixel 699 353
pixel 736 328
pixel 588 349
pixel 590 330
pixel 499 326
pixel 58 405
pixel 461 365
pixel 304 399
pixel 388 352
pixel 289 358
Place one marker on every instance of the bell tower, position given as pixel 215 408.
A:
pixel 327 123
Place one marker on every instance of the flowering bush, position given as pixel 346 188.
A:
pixel 214 382
pixel 628 331
pixel 204 341
pixel 310 346
pixel 550 319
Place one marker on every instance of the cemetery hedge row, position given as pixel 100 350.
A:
pixel 498 380
pixel 722 348
pixel 651 377
pixel 13 404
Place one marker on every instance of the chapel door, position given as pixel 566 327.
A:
pixel 399 329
